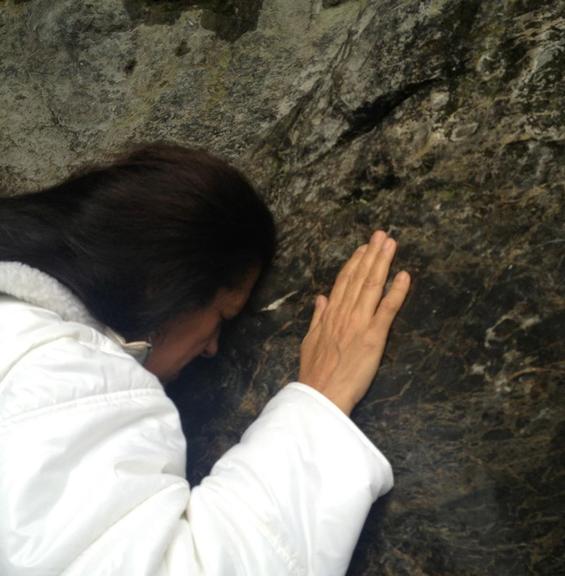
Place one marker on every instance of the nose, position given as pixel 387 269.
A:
pixel 211 348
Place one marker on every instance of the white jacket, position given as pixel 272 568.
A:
pixel 92 462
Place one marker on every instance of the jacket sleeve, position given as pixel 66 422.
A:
pixel 93 483
pixel 300 483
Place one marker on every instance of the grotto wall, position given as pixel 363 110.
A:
pixel 441 122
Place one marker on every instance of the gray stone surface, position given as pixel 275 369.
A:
pixel 439 121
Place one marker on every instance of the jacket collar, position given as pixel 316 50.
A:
pixel 36 287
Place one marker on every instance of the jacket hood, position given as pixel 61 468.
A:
pixel 34 286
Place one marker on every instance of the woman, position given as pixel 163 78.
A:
pixel 111 282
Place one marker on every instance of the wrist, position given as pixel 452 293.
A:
pixel 345 404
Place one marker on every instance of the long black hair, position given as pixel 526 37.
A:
pixel 152 232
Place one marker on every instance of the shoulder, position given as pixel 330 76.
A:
pixel 92 449
pixel 47 362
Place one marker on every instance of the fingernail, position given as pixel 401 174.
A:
pixel 389 244
pixel 377 236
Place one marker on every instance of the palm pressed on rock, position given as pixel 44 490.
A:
pixel 342 350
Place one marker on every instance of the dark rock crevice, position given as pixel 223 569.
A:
pixel 228 18
pixel 367 117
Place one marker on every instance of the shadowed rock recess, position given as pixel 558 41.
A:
pixel 439 121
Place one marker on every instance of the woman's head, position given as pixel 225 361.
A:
pixel 159 232
pixel 196 333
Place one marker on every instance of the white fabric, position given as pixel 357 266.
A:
pixel 92 462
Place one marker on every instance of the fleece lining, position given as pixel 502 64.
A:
pixel 40 289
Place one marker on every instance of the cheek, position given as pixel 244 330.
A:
pixel 192 342
pixel 185 341
pixel 175 346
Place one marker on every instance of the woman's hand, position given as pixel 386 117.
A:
pixel 341 353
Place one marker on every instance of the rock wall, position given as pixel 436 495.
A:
pixel 439 121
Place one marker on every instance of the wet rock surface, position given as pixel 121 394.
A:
pixel 440 122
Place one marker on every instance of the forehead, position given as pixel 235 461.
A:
pixel 232 301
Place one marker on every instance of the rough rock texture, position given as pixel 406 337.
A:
pixel 439 121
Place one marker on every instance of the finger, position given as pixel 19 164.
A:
pixel 390 305
pixel 344 276
pixel 374 283
pixel 362 273
pixel 319 307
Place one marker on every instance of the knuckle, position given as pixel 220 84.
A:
pixel 360 273
pixel 329 310
pixel 389 306
pixel 360 250
pixel 373 283
pixel 356 317
pixel 333 311
pixel 342 329
pixel 345 329
pixel 345 276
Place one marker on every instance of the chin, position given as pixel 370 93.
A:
pixel 166 378
pixel 173 377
